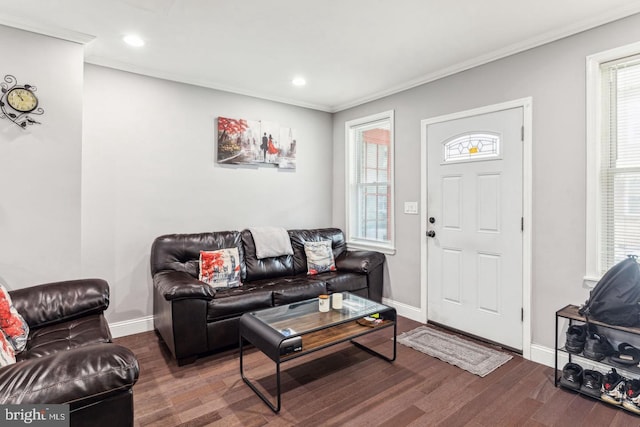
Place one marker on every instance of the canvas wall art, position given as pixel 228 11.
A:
pixel 250 142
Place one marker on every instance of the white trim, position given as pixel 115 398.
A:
pixel 577 27
pixel 132 326
pixel 404 310
pixel 594 129
pixel 590 282
pixel 145 324
pixel 388 248
pixel 46 29
pixel 527 234
pixel 542 39
pixel 196 81
pixel 365 247
pixel 551 36
pixel 546 356
pixel 527 210
pixel 423 221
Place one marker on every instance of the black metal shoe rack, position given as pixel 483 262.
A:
pixel 570 312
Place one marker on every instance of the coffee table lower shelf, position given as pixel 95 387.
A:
pixel 268 342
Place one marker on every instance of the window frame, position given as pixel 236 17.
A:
pixel 594 116
pixel 351 172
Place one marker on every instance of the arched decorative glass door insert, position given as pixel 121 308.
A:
pixel 471 146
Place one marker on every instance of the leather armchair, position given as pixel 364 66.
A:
pixel 69 358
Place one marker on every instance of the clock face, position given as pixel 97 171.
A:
pixel 21 99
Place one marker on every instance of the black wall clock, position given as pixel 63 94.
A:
pixel 18 102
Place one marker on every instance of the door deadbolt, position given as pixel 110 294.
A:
pixel 432 220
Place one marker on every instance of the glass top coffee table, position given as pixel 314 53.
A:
pixel 289 331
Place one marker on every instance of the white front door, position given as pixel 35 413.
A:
pixel 474 211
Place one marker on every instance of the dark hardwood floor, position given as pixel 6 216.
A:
pixel 345 386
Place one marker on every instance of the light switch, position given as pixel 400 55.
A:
pixel 411 208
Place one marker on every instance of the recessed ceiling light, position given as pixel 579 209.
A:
pixel 133 40
pixel 299 81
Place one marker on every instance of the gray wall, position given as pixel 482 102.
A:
pixel 88 202
pixel 148 168
pixel 40 166
pixel 86 192
pixel 554 75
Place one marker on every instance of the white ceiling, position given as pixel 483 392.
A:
pixel 349 51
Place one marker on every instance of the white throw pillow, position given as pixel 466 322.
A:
pixel 319 257
pixel 221 268
pixel 7 354
pixel 12 324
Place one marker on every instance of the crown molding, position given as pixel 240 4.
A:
pixel 82 38
pixel 132 68
pixel 47 30
pixel 545 38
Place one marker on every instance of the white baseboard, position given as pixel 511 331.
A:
pixel 539 354
pixel 546 356
pixel 130 327
pixel 404 310
pixel 145 324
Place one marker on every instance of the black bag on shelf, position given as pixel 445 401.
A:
pixel 616 297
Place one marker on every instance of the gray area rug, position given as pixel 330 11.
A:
pixel 462 353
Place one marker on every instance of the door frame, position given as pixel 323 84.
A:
pixel 527 194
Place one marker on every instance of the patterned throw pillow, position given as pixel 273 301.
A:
pixel 11 323
pixel 319 257
pixel 7 354
pixel 221 268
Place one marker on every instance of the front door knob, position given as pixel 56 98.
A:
pixel 431 233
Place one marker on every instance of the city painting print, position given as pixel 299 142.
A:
pixel 287 158
pixel 237 140
pixel 250 142
pixel 270 132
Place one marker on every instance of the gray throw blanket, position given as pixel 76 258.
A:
pixel 271 242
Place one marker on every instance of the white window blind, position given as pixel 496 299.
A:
pixel 620 161
pixel 370 181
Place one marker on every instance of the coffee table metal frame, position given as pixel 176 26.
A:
pixel 317 330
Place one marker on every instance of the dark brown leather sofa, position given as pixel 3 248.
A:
pixel 69 358
pixel 193 318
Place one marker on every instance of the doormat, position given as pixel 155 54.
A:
pixel 477 359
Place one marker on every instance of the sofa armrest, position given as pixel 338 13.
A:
pixel 180 285
pixel 69 376
pixel 359 261
pixel 60 301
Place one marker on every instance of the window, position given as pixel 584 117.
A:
pixel 613 180
pixel 470 147
pixel 369 191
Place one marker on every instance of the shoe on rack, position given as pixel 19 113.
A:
pixel 591 383
pixel 631 399
pixel 576 337
pixel 597 346
pixel 571 376
pixel 627 355
pixel 613 388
